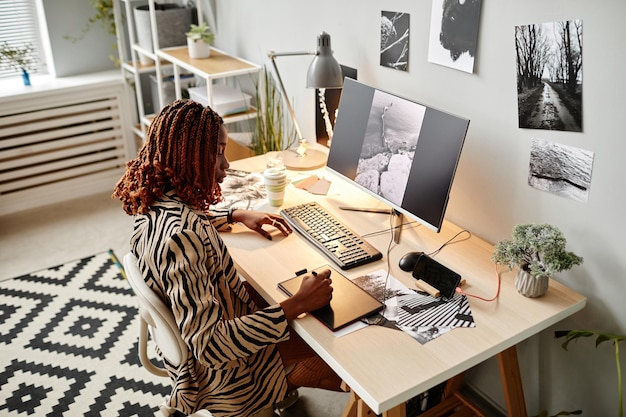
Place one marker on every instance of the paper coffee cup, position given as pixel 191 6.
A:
pixel 275 183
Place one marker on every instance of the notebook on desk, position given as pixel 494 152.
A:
pixel 349 303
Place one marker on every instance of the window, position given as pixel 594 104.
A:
pixel 20 27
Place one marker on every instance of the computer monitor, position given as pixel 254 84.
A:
pixel 400 151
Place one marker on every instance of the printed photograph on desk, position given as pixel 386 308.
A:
pixel 242 189
pixel 425 318
pixel 418 314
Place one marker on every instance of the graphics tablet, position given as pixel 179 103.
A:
pixel 349 303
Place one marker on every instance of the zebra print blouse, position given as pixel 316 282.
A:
pixel 233 367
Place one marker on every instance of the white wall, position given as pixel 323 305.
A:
pixel 65 21
pixel 490 193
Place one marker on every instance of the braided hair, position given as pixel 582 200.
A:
pixel 180 152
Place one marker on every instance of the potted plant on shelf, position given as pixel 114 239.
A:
pixel 19 58
pixel 538 250
pixel 199 40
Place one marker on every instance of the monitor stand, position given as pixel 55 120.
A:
pixel 396 228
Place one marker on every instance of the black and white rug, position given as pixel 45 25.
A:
pixel 68 344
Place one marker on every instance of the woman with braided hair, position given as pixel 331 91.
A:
pixel 239 347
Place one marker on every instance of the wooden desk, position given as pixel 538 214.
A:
pixel 384 367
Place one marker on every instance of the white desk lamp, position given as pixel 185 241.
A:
pixel 324 72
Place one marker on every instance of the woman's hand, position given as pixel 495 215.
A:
pixel 315 292
pixel 255 220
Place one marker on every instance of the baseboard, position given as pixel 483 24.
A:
pixel 483 402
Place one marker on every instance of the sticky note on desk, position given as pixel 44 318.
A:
pixel 320 187
pixel 314 185
pixel 307 182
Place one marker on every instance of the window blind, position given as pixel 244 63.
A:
pixel 19 26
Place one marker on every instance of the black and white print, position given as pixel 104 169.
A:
pixel 242 189
pixel 560 169
pixel 394 40
pixel 421 316
pixel 454 33
pixel 549 75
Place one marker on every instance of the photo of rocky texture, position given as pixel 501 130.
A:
pixel 389 145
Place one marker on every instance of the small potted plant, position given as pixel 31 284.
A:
pixel 19 58
pixel 199 41
pixel 538 250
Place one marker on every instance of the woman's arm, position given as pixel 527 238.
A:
pixel 190 273
pixel 254 220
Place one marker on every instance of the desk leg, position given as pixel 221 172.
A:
pixel 398 411
pixel 351 406
pixel 512 383
pixel 356 407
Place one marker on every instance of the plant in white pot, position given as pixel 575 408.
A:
pixel 199 40
pixel 538 250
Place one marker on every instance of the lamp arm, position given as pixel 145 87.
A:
pixel 272 55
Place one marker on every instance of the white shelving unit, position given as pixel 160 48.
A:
pixel 219 67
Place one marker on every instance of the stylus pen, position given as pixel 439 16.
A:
pixel 315 274
pixel 367 210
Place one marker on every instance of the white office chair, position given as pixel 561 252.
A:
pixel 157 319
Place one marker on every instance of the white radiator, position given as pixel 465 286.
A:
pixel 63 143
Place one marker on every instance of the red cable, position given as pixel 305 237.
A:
pixel 460 290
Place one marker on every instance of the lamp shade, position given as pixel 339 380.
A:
pixel 324 71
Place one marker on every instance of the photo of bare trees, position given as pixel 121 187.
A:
pixel 394 40
pixel 549 75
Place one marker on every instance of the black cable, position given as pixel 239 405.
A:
pixel 379 319
pixel 450 241
pixel 392 228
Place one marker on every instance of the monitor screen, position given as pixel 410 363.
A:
pixel 400 151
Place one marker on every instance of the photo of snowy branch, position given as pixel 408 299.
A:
pixel 454 33
pixel 549 75
pixel 389 145
pixel 394 40
pixel 560 169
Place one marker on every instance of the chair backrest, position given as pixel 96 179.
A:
pixel 157 316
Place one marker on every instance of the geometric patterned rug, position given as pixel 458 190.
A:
pixel 68 344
